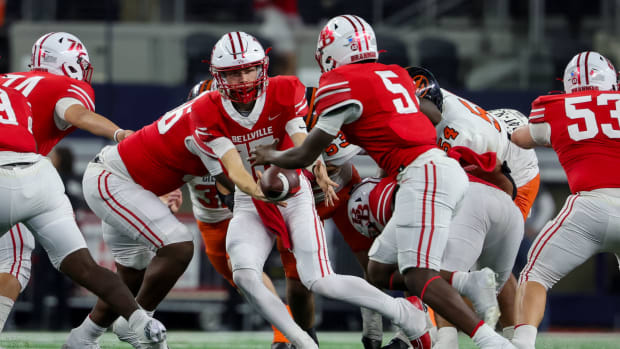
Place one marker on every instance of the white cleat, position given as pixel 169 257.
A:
pixel 496 342
pixel 306 343
pixel 150 332
pixel 125 334
pixel 481 289
pixel 73 342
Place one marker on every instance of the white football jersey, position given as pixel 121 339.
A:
pixel 206 204
pixel 465 124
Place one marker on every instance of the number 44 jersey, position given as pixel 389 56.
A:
pixel 585 133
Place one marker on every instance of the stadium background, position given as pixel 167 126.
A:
pixel 148 53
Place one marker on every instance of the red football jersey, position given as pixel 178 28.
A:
pixel 391 128
pixel 585 133
pixel 15 123
pixel 43 90
pixel 283 100
pixel 156 156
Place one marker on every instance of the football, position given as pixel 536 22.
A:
pixel 279 183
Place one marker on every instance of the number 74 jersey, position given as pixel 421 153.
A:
pixel 585 133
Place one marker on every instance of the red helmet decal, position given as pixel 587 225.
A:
pixel 327 36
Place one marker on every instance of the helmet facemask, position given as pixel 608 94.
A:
pixel 237 51
pixel 244 92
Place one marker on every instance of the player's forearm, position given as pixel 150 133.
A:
pixel 523 138
pixel 94 123
pixel 292 158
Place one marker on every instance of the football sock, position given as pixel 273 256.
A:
pixel 459 280
pixel 372 324
pixel 6 304
pixel 89 330
pixel 447 337
pixel 267 304
pixel 278 337
pixel 508 332
pixel 524 336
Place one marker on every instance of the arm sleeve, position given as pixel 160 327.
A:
pixel 332 120
pixel 61 108
pixel 541 133
pixel 211 164
pixel 296 125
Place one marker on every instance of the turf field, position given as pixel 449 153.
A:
pixel 262 340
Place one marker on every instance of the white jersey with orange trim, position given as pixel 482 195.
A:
pixel 206 204
pixel 464 123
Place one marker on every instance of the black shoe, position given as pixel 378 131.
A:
pixel 370 343
pixel 281 345
pixel 396 343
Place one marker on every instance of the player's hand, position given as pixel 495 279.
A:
pixel 326 184
pixel 173 200
pixel 262 154
pixel 124 134
pixel 259 195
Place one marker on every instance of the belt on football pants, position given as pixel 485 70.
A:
pixel 17 164
pixel 97 159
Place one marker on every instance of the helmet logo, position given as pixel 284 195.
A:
pixel 327 37
pixel 75 45
pixel 421 84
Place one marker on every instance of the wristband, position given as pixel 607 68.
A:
pixel 114 137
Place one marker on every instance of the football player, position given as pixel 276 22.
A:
pixel 376 108
pixel 212 204
pixel 150 246
pixel 466 124
pixel 252 109
pixel 58 92
pixel 582 127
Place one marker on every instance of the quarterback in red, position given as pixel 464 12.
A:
pixel 58 97
pixel 252 109
pixel 376 107
pixel 583 128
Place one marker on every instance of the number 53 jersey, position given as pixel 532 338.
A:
pixel 585 133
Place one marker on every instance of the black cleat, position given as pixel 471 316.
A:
pixel 370 343
pixel 396 343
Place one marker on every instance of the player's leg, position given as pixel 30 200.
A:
pixel 572 237
pixel 248 249
pixel 315 271
pixel 506 299
pixel 16 246
pixel 214 238
pixel 372 322
pixel 55 228
pixel 429 192
pixel 300 299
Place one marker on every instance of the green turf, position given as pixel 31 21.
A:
pixel 261 340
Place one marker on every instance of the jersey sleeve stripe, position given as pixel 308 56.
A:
pixel 537 117
pixel 330 86
pixel 85 95
pixel 83 101
pixel 332 93
pixel 535 111
pixel 302 109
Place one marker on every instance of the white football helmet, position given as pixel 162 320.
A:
pixel 62 54
pixel 589 70
pixel 511 117
pixel 345 39
pixel 358 206
pixel 234 51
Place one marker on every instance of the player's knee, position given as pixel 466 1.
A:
pixel 539 274
pixel 246 279
pixel 182 252
pixel 416 278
